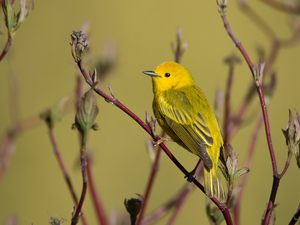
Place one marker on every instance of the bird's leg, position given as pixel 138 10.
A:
pixel 161 140
pixel 191 174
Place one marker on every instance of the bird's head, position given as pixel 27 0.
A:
pixel 170 75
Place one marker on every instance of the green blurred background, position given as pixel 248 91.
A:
pixel 40 59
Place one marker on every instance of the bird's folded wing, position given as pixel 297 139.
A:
pixel 188 121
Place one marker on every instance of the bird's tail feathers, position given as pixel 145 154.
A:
pixel 213 185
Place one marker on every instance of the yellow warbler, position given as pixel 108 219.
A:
pixel 184 113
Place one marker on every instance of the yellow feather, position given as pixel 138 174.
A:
pixel 184 113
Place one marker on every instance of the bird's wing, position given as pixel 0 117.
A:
pixel 183 112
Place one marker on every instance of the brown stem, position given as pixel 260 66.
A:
pixel 84 179
pixel 6 48
pixel 264 111
pixel 267 128
pixel 64 170
pixel 276 180
pixel 229 194
pixel 295 217
pixel 287 164
pixel 183 198
pixel 150 184
pixel 79 92
pixel 95 196
pixel 163 210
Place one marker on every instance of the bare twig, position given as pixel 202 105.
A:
pixel 95 196
pixel 295 217
pixel 177 201
pixel 84 179
pixel 7 148
pixel 154 170
pixel 231 61
pixel 180 48
pixel 276 45
pixel 6 48
pixel 64 170
pixel 222 9
pixel 183 198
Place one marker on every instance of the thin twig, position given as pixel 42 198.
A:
pixel 183 198
pixel 79 91
pixel 231 60
pixel 247 164
pixel 7 148
pixel 163 210
pixel 154 170
pixel 64 170
pixel 6 48
pixel 222 9
pixel 229 193
pixel 95 196
pixel 84 179
pixel 295 217
pixel 275 47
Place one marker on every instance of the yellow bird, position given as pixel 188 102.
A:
pixel 184 113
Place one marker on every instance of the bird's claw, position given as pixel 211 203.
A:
pixel 190 177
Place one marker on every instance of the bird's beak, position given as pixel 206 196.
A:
pixel 151 73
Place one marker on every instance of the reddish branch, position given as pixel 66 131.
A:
pixel 267 128
pixel 275 47
pixel 177 201
pixel 162 211
pixel 231 60
pixel 102 218
pixel 84 179
pixel 276 176
pixel 118 104
pixel 6 48
pixel 295 217
pixel 154 170
pixel 64 170
pixel 183 197
pixel 95 196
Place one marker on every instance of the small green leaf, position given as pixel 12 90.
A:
pixel 240 172
pixel 54 114
pixel 9 14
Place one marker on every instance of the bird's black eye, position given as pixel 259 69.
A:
pixel 167 74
